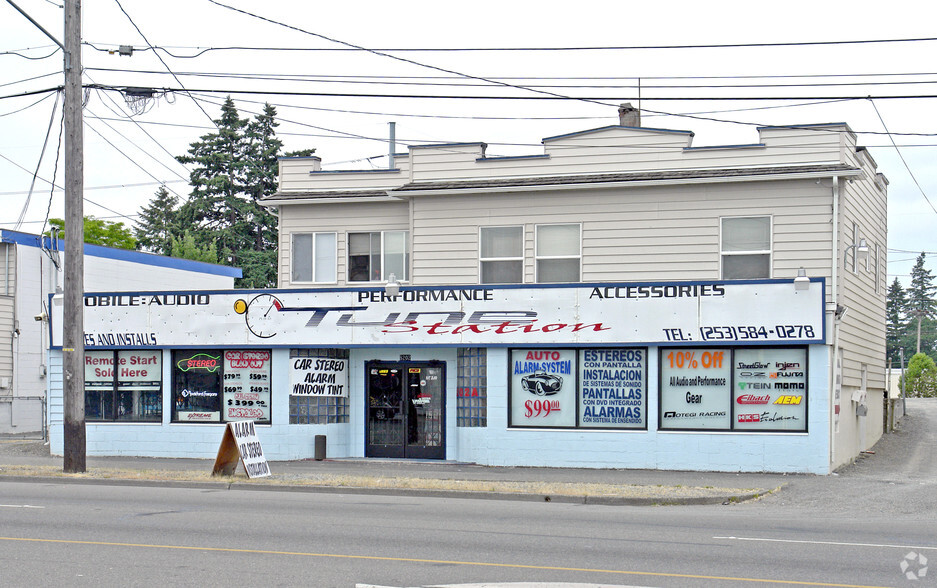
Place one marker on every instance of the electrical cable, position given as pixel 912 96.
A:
pixel 401 59
pixel 145 132
pixel 130 159
pixel 44 98
pixel 901 156
pixel 163 62
pixel 56 50
pixel 54 73
pixel 204 50
pixel 42 152
pixel 350 80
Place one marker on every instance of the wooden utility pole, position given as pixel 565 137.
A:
pixel 73 344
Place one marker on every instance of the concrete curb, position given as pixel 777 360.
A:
pixel 661 500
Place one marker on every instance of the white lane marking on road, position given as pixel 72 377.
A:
pixel 19 506
pixel 932 548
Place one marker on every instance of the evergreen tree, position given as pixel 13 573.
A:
pixel 157 224
pixel 231 169
pixel 922 306
pixel 896 312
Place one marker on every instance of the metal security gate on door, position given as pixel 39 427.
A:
pixel 406 409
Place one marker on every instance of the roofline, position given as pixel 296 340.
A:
pixel 587 131
pixel 619 180
pixel 316 157
pixel 128 255
pixel 808 126
pixel 355 171
pixel 437 145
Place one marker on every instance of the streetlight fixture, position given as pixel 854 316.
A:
pixel 392 287
pixel 861 252
pixel 801 282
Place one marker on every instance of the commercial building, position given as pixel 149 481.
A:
pixel 622 299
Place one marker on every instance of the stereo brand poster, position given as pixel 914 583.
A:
pixel 247 385
pixel 694 389
pixel 612 388
pixel 770 389
pixel 543 388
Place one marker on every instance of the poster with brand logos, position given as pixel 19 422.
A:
pixel 543 388
pixel 694 389
pixel 613 388
pixel 246 381
pixel 770 391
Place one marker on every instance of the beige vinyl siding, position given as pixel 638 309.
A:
pixel 663 233
pixel 340 218
pixel 863 329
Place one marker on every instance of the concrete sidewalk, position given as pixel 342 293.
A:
pixel 22 460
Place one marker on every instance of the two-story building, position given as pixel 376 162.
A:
pixel 622 299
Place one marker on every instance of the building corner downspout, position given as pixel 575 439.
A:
pixel 834 297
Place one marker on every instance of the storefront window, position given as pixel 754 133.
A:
pixel 472 382
pixel 123 385
pixel 215 386
pixel 312 401
pixel 588 388
pixel 737 389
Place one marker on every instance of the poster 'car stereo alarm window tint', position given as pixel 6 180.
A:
pixel 212 386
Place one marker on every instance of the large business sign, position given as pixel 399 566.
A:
pixel 681 313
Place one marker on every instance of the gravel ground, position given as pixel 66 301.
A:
pixel 20 446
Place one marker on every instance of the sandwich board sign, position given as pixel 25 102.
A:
pixel 240 441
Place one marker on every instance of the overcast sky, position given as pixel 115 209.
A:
pixel 125 161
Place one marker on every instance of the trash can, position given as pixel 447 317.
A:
pixel 320 447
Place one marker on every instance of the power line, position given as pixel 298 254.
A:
pixel 44 98
pixel 349 47
pixel 592 99
pixel 45 142
pixel 178 81
pixel 395 57
pixel 54 73
pixel 398 81
pixel 901 156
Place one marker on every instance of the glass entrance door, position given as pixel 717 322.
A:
pixel 406 409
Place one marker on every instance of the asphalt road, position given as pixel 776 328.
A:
pixel 858 528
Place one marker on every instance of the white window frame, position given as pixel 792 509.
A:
pixel 383 278
pixel 769 251
pixel 538 257
pixel 483 260
pixel 312 257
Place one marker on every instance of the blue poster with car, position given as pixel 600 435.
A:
pixel 543 388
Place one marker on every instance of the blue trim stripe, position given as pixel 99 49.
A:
pixel 141 257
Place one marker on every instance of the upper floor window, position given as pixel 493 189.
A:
pixel 558 253
pixel 313 258
pixel 501 255
pixel 375 256
pixel 746 247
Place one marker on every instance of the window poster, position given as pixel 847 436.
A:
pixel 318 376
pixel 246 385
pixel 139 384
pixel 695 389
pixel 612 388
pixel 543 388
pixel 770 389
